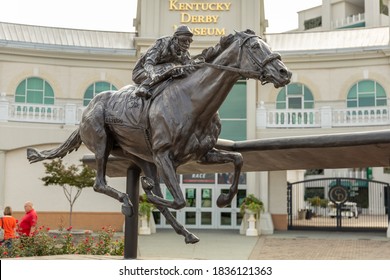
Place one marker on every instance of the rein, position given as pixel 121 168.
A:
pixel 232 69
pixel 244 72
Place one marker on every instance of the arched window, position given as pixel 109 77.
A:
pixel 96 88
pixel 233 113
pixel 366 93
pixel 295 96
pixel 34 90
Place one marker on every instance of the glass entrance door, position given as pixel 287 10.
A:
pixel 199 209
pixel 201 192
pixel 230 216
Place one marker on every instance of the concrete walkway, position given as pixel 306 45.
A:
pixel 229 245
pixel 298 245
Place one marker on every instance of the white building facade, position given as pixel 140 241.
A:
pixel 339 57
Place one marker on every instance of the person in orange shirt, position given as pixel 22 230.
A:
pixel 8 223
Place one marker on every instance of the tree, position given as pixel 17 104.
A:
pixel 70 178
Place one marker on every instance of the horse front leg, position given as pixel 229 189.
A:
pixel 153 190
pixel 217 156
pixel 153 184
pixel 189 237
pixel 167 171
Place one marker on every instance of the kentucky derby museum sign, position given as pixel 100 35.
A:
pixel 208 20
pixel 196 13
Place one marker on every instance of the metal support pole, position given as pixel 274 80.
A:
pixel 338 215
pixel 131 223
pixel 387 191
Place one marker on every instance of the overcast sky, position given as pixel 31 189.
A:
pixel 117 15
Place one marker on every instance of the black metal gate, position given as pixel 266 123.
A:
pixel 342 204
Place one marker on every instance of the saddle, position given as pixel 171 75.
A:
pixel 149 90
pixel 126 108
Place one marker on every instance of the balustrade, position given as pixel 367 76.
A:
pixel 325 117
pixel 351 20
pixel 68 114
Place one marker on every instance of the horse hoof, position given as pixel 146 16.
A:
pixel 127 210
pixel 223 200
pixel 191 239
pixel 147 183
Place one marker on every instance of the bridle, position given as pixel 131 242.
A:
pixel 244 72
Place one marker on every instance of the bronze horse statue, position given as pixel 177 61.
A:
pixel 178 125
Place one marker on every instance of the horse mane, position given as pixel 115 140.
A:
pixel 210 53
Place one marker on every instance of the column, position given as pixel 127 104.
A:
pixel 278 198
pixel 4 108
pixel 326 15
pixel 326 117
pixel 265 224
pixel 388 25
pixel 261 116
pixel 372 13
pixel 2 179
pixel 70 114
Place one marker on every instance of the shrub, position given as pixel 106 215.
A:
pixel 40 243
pixel 253 204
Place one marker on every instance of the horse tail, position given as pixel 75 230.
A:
pixel 72 143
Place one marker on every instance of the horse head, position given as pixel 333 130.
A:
pixel 254 59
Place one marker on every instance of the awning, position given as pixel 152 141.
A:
pixel 341 150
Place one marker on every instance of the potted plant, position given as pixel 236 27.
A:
pixel 252 204
pixel 145 208
pixel 316 202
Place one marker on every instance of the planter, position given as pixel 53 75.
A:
pixel 145 215
pixel 251 230
pixel 309 214
pixel 144 228
pixel 251 207
pixel 301 214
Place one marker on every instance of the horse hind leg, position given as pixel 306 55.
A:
pixel 215 156
pixel 95 137
pixel 101 186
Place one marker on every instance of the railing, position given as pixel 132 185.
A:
pixel 325 117
pixel 69 114
pixel 360 116
pixel 293 118
pixel 36 113
pixel 351 20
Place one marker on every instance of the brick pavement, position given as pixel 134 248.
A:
pixel 320 246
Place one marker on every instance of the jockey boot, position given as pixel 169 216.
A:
pixel 143 91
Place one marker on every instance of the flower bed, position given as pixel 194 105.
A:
pixel 44 242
